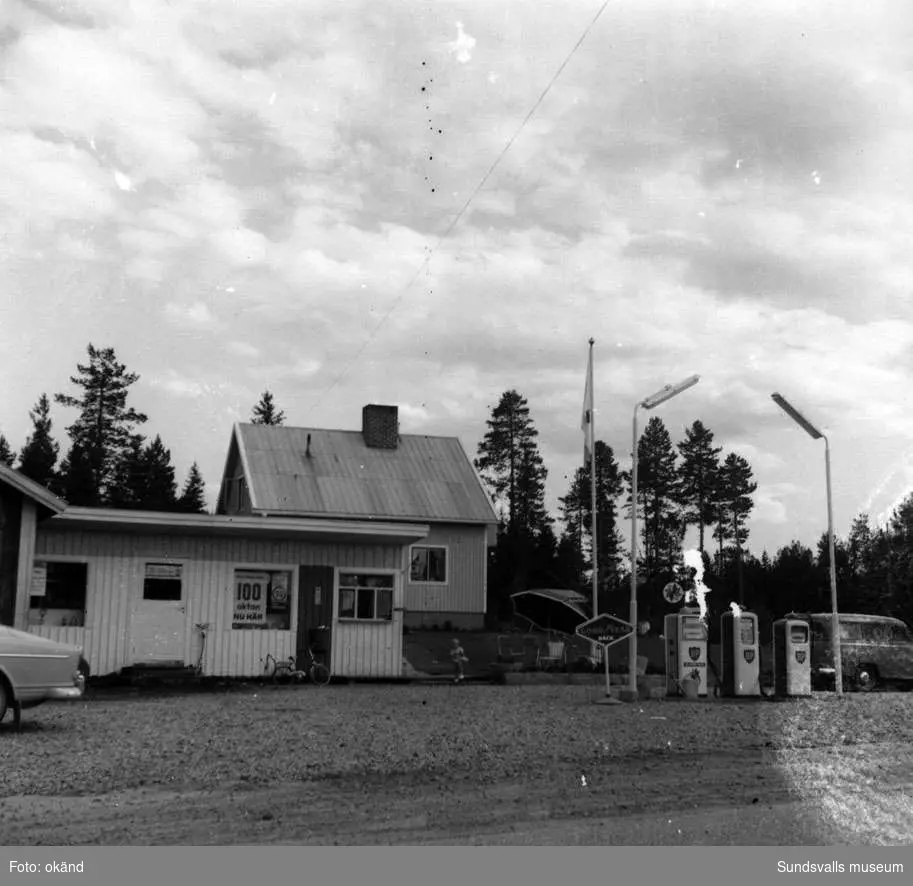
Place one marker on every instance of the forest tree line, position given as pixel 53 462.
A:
pixel 689 483
pixel 109 462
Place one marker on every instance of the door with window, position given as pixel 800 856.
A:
pixel 159 625
pixel 368 631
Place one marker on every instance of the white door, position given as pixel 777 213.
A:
pixel 368 630
pixel 159 623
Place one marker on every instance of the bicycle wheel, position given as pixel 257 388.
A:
pixel 320 673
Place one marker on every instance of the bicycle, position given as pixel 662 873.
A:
pixel 287 669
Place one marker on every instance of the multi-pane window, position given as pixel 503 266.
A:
pixel 366 596
pixel 262 599
pixel 428 564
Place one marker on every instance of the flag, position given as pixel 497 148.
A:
pixel 586 421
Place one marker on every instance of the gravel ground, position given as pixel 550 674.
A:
pixel 362 764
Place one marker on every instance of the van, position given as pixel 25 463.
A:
pixel 874 649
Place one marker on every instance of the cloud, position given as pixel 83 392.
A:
pixel 196 314
pixel 243 349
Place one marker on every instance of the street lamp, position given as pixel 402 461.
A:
pixel 651 402
pixel 815 434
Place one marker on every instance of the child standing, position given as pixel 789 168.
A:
pixel 457 656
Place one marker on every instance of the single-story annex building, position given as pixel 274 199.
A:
pixel 333 539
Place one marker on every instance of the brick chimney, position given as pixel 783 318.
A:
pixel 380 426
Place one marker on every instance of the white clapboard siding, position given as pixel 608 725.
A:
pixel 115 576
pixel 367 649
pixel 464 590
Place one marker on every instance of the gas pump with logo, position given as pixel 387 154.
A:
pixel 792 657
pixel 739 654
pixel 686 649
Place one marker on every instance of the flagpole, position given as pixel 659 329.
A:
pixel 593 490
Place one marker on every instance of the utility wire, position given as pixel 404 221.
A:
pixel 462 211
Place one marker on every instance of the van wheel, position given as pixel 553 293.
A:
pixel 866 679
pixel 4 700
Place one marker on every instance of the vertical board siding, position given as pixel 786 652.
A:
pixel 115 561
pixel 467 556
pixel 365 650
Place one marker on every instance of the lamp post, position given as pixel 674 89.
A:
pixel 815 434
pixel 667 393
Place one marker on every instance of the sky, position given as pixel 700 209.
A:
pixel 341 203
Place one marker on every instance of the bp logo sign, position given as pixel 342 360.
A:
pixel 800 656
pixel 694 652
pixel 749 655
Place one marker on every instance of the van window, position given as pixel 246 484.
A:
pixel 849 632
pixel 901 634
pixel 876 632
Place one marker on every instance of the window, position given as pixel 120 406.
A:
pixel 162 582
pixel 58 593
pixel 366 597
pixel 428 564
pixel 262 600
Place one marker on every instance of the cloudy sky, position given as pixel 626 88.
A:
pixel 269 194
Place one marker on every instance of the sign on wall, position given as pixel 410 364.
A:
pixel 279 592
pixel 250 598
pixel 39 586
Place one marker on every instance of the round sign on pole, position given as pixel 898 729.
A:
pixel 673 592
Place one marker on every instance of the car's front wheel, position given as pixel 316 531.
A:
pixel 4 700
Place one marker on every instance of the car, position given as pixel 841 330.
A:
pixel 875 650
pixel 34 670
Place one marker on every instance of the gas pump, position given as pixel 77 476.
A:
pixel 792 657
pixel 686 649
pixel 739 654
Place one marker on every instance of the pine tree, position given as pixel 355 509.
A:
pixel 576 509
pixel 131 481
pixel 734 490
pixel 6 454
pixel 573 512
pixel 105 425
pixel 657 491
pixel 265 412
pixel 697 477
pixel 532 517
pixel 511 467
pixel 161 490
pixel 38 457
pixel 510 464
pixel 193 496
pixel 76 480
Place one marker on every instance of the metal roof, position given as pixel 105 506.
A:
pixel 164 522
pixel 35 491
pixel 424 478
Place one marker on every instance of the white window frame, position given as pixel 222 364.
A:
pixel 363 570
pixel 291 568
pixel 445 549
pixel 163 561
pixel 63 558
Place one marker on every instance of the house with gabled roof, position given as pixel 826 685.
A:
pixel 373 474
pixel 324 539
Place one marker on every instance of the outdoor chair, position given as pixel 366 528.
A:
pixel 553 654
